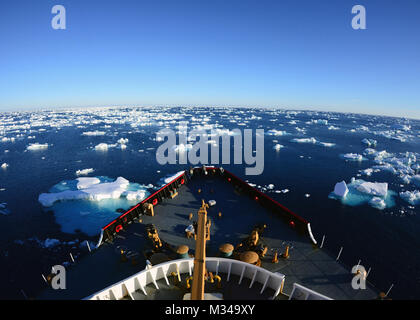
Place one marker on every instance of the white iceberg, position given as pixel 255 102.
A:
pixel 37 146
pixel 90 191
pixel 103 147
pixel 84 172
pixel 93 133
pixel 370 142
pixel 412 197
pixel 378 203
pixel 341 189
pixel 373 188
pixel 4 165
pixel 277 147
pixel 353 157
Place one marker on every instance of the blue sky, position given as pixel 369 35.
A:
pixel 283 53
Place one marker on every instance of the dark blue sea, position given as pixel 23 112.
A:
pixel 41 152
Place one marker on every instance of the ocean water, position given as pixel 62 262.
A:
pixel 309 164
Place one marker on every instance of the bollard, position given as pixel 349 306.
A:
pixel 286 255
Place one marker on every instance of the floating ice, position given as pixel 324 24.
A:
pixel 103 147
pixel 370 142
pixel 305 140
pixel 274 132
pixel 91 208
pixel 84 183
pixel 341 189
pixel 313 141
pixel 377 203
pixel 4 165
pixel 353 157
pixel 91 190
pixel 173 177
pixel 416 180
pixel 277 147
pixel 93 133
pixel 360 192
pixel 373 188
pixel 412 197
pixel 37 146
pixel 84 172
pixel 3 209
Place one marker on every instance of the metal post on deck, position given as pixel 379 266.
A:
pixel 386 295
pixel 338 257
pixel 322 242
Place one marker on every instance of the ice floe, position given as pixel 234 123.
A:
pixel 376 194
pixel 3 209
pixel 84 204
pixel 84 172
pixel 353 157
pixel 4 165
pixel 88 189
pixel 313 141
pixel 94 133
pixel 412 197
pixel 37 146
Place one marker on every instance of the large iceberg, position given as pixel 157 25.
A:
pixel 87 204
pixel 88 189
pixel 360 192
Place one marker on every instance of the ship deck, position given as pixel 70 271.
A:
pixel 307 265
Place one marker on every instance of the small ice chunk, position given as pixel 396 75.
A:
pixel 377 203
pixel 307 195
pixel 277 147
pixel 4 165
pixel 212 203
pixel 341 189
pixel 412 197
pixel 353 156
pixel 102 147
pixel 416 180
pixel 84 172
pixel 369 142
pixel 49 243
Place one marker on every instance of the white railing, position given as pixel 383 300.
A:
pixel 138 282
pixel 300 292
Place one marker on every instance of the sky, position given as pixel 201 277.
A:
pixel 291 54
